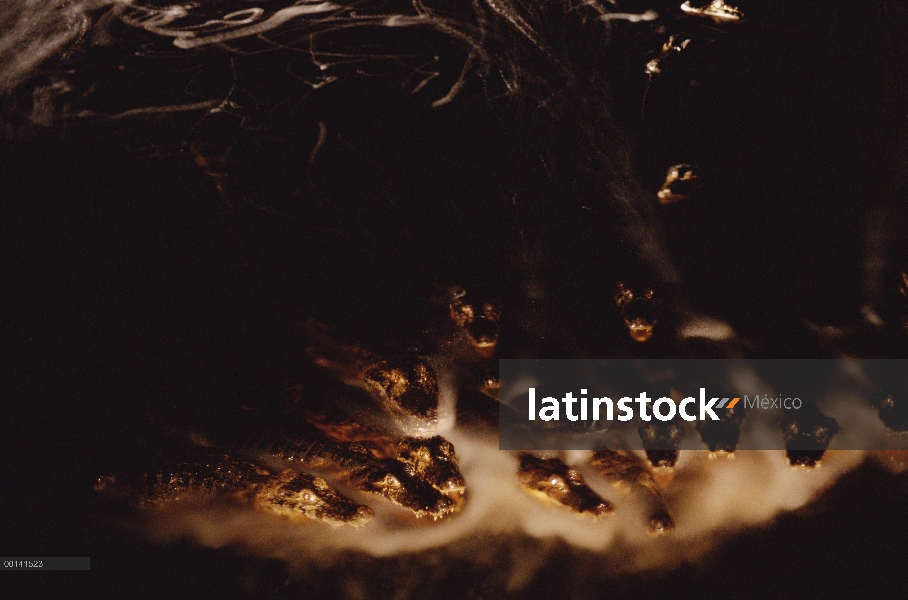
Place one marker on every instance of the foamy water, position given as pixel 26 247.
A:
pixel 709 498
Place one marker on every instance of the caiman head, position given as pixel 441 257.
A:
pixel 554 480
pixel 432 460
pixel 807 436
pixel 670 49
pixel 680 182
pixel 476 317
pixel 661 441
pixel 639 309
pixel 721 437
pixel 296 495
pixel 717 10
pixel 893 409
pixel 408 386
pixel 390 479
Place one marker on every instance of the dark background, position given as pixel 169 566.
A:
pixel 132 284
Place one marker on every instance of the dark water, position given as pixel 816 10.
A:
pixel 133 284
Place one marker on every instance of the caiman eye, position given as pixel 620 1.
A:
pixel 556 481
pixel 624 295
pixel 466 313
pixel 308 497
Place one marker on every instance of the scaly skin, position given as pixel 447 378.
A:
pixel 553 480
pixel 348 415
pixel 476 316
pixel 722 436
pixel 807 434
pixel 626 468
pixel 207 473
pixel 716 10
pixel 390 478
pixel 431 459
pixel 640 308
pixel 407 388
pixel 661 440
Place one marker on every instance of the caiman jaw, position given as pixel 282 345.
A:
pixel 478 322
pixel 554 480
pixel 639 309
pixel 390 480
pixel 432 460
pixel 300 495
pixel 410 388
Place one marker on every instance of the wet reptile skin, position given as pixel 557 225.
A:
pixel 203 473
pixel 353 462
pixel 624 468
pixel 552 479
